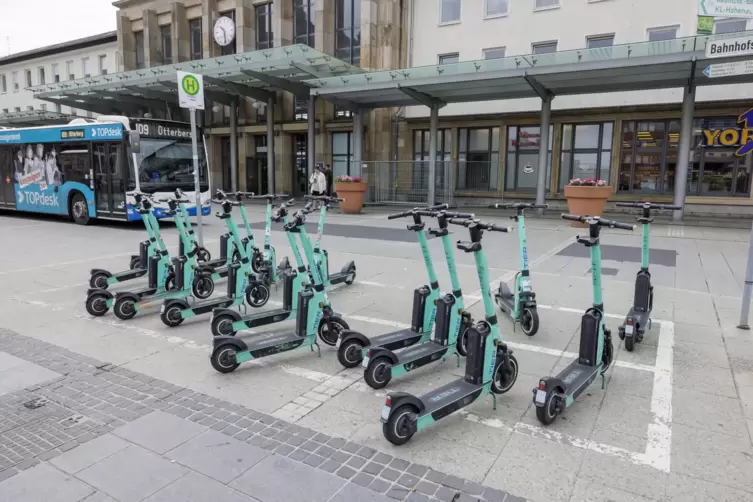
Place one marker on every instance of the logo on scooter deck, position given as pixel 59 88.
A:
pixel 572 376
pixel 441 396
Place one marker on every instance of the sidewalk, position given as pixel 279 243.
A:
pixel 76 429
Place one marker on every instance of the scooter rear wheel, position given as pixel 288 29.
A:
pixel 397 430
pixel 504 378
pixel 378 374
pixel 98 281
pixel 223 358
pixel 125 308
pixel 351 277
pixel 96 305
pixel 135 263
pixel 529 321
pixel 349 353
pixel 630 342
pixel 547 414
pixel 330 336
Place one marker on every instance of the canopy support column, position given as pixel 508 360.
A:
pixel 270 145
pixel 311 142
pixel 546 115
pixel 433 131
pixel 683 151
pixel 357 144
pixel 234 146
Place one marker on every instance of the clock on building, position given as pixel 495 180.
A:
pixel 224 31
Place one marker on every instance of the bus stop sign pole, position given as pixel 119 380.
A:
pixel 745 309
pixel 191 96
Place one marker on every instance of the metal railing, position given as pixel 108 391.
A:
pixel 406 182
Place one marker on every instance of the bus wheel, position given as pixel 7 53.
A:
pixel 78 211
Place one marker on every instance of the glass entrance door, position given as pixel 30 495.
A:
pixel 256 174
pixel 7 177
pixel 110 178
pixel 300 165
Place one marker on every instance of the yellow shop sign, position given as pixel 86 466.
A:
pixel 741 137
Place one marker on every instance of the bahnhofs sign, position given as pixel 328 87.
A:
pixel 728 47
pixel 741 137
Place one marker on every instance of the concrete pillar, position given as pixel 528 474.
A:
pixel 126 45
pixel 546 115
pixel 245 28
pixel 234 146
pixel 433 131
pixel 209 14
pixel 282 23
pixel 357 144
pixel 683 151
pixel 180 36
pixel 311 140
pixel 271 145
pixel 152 41
pixel 324 34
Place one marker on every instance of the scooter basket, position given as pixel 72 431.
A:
pixel 444 315
pixel 476 347
pixel 302 316
pixel 589 337
pixel 419 307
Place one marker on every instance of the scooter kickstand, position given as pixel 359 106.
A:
pixel 603 381
pixel 457 358
pixel 494 402
pixel 649 323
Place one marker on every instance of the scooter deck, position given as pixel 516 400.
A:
pixel 267 317
pixel 127 275
pixel 421 354
pixel 282 342
pixel 577 377
pixel 507 300
pixel 450 398
pixel 640 316
pixel 397 339
pixel 337 278
pixel 207 306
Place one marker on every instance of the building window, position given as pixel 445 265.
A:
pixel 14 80
pixel 586 152
pixel 43 107
pixel 228 49
pixel 478 161
pixel 27 74
pixel 85 67
pixel 729 25
pixel 103 64
pixel 449 11
pixel 648 156
pixel 521 169
pixel 58 108
pixel 195 37
pixel 348 31
pixel 545 4
pixel 665 33
pixel 421 149
pixel 17 109
pixel 599 41
pixel 715 169
pixel 496 8
pixel 304 22
pixel 544 47
pixel 301 107
pixel 166 43
pixel 449 58
pixel 138 40
pixel 30 108
pixel 264 35
pixel 342 153
pixel 55 72
pixel 69 70
pixel 41 75
pixel 494 53
pixel 3 84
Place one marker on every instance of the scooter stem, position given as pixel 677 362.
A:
pixel 645 248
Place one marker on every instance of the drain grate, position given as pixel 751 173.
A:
pixel 36 403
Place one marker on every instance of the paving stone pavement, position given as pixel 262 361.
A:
pixel 95 432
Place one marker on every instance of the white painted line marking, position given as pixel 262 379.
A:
pixel 659 443
pixel 379 285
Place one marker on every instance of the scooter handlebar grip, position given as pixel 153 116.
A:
pixel 539 206
pixel 460 221
pixel 572 217
pixel 628 204
pixel 670 206
pixel 495 228
pixel 399 215
pixel 438 207
pixel 616 224
pixel 460 215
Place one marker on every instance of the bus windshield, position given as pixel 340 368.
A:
pixel 167 164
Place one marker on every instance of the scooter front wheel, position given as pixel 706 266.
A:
pixel 504 378
pixel 96 305
pixel 135 263
pixel 257 262
pixel 547 414
pixel 378 374
pixel 462 344
pixel 330 329
pixel 349 353
pixel 529 321
pixel 398 429
pixel 98 281
pixel 171 316
pixel 202 287
pixel 257 295
pixel 223 358
pixel 203 255
pixel 125 309
pixel 222 325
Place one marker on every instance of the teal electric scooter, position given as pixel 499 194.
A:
pixel 347 274
pixel 352 345
pixel 174 311
pixel 227 322
pixel 314 317
pixel 490 367
pixel 191 279
pixel 554 394
pixel 520 304
pixel 202 254
pixel 381 364
pixel 268 271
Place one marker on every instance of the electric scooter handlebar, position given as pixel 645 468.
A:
pixel 270 196
pixel 648 205
pixel 480 224
pixel 438 207
pixel 519 205
pixel 597 220
pixel 325 198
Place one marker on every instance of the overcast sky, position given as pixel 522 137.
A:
pixel 28 24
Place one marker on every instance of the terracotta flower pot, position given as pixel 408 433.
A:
pixel 352 195
pixel 586 201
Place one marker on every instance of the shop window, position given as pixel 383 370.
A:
pixel 521 169
pixel 586 152
pixel 649 156
pixel 264 35
pixel 421 149
pixel 714 168
pixel 304 22
pixel 478 159
pixel 348 31
pixel 342 153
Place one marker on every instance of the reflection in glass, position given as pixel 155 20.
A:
pixel 647 172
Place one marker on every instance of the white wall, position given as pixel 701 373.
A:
pixel 569 25
pixel 24 98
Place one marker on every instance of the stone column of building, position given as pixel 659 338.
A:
pixel 245 41
pixel 209 14
pixel 126 44
pixel 181 37
pixel 282 31
pixel 152 45
pixel 324 41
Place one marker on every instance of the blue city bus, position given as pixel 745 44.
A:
pixel 85 168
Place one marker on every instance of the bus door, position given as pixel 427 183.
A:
pixel 110 179
pixel 7 177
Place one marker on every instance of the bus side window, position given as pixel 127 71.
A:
pixel 75 161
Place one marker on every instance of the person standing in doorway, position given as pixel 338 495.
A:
pixel 318 182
